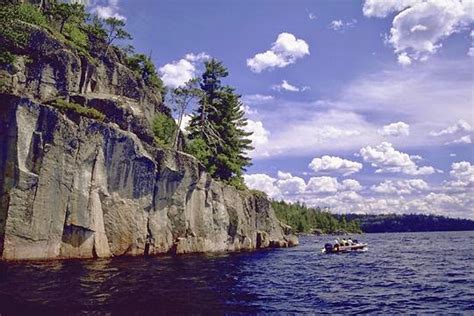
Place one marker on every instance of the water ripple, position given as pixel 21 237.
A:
pixel 401 273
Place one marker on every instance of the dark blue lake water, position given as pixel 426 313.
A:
pixel 400 273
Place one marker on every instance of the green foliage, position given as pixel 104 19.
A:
pixel 77 36
pixel 6 58
pixel 72 20
pixel 237 182
pixel 306 220
pixel 199 149
pixel 5 85
pixel 65 106
pixel 95 27
pixel 385 223
pixel 14 31
pixel 180 99
pixel 70 24
pixel 69 16
pixel 258 193
pixel 30 14
pixel 145 68
pixel 218 125
pixel 163 129
pixel 115 30
pixel 73 13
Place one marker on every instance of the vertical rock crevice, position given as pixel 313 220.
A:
pixel 8 158
pixel 100 194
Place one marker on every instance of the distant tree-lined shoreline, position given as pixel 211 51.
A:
pixel 391 223
pixel 305 219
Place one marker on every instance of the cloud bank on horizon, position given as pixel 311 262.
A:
pixel 394 135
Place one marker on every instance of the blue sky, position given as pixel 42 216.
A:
pixel 360 106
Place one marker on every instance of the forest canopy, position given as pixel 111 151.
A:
pixel 305 219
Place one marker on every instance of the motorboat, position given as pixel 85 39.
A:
pixel 347 246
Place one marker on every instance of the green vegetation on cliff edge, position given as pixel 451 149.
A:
pixel 87 34
pixel 65 106
pixel 217 135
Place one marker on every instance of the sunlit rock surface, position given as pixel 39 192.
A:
pixel 77 188
pixel 73 187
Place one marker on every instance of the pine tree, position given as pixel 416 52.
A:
pixel 217 130
pixel 115 31
pixel 231 157
pixel 66 13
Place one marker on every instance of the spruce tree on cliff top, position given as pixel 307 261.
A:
pixel 217 130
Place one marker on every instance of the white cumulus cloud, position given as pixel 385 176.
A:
pixel 460 126
pixel 330 185
pixel 351 185
pixel 109 9
pixel 285 85
pixel 419 27
pixel 400 187
pixel 293 188
pixel 263 182
pixel 335 130
pixel 289 184
pixel 382 8
pixel 462 140
pixel 184 122
pixel 403 59
pixel 387 159
pixel 470 52
pixel 177 73
pixel 341 26
pixel 335 164
pixel 462 174
pixel 395 129
pixel 260 134
pixel 284 51
pixel 322 185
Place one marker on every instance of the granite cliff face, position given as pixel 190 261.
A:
pixel 74 187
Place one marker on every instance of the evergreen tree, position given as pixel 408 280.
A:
pixel 115 31
pixel 68 13
pixel 217 130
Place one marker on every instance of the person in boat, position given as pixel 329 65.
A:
pixel 349 241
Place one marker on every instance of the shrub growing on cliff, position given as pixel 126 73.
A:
pixel 65 106
pixel 145 68
pixel 6 58
pixel 95 27
pixel 15 32
pixel 163 129
pixel 63 13
pixel 70 18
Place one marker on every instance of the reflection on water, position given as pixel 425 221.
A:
pixel 417 272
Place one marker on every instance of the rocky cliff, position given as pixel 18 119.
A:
pixel 75 187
